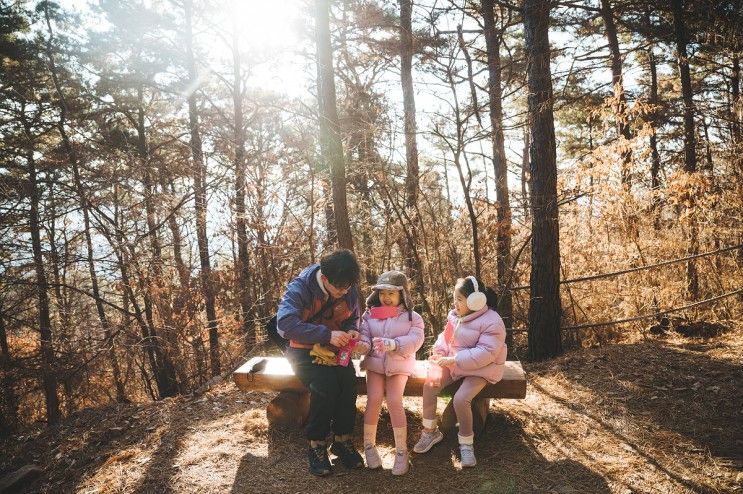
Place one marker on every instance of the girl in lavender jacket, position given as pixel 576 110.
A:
pixel 391 333
pixel 471 348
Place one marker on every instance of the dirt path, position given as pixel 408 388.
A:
pixel 655 416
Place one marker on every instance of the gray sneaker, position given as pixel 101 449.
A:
pixel 373 461
pixel 428 440
pixel 467 453
pixel 402 463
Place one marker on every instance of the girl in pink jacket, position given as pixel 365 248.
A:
pixel 471 348
pixel 391 333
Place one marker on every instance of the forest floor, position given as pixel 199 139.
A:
pixel 659 415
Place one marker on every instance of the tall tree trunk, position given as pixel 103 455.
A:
pixel 736 115
pixel 163 367
pixel 147 183
pixel 410 127
pixel 620 100
pixel 708 165
pixel 184 273
pixel 312 241
pixel 654 101
pixel 116 241
pixel 330 137
pixel 183 308
pixel 412 259
pixel 9 405
pixel 331 237
pixel 500 166
pixel 367 160
pixel 466 183
pixel 159 363
pixel 243 256
pixel 736 108
pixel 545 309
pixel 690 156
pixel 199 176
pixel 525 173
pixel 263 252
pixel 48 371
pixel 63 312
pixel 590 178
pixel 85 206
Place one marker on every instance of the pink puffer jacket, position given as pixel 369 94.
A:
pixel 478 345
pixel 408 335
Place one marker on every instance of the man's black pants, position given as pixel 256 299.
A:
pixel 332 394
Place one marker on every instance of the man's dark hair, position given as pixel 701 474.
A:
pixel 341 268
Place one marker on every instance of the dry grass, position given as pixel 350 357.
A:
pixel 661 415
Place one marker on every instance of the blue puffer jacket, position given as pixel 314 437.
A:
pixel 303 298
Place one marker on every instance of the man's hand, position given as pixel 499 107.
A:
pixel 339 338
pixel 355 335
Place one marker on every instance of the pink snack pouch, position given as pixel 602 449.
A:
pixel 344 355
pixel 383 312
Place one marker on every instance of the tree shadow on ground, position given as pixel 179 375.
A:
pixel 162 469
pixel 83 442
pixel 86 442
pixel 686 392
pixel 507 463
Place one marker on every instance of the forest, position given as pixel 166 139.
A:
pixel 168 166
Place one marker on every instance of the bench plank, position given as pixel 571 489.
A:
pixel 277 375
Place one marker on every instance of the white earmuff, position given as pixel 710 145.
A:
pixel 476 300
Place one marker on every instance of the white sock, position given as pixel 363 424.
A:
pixel 401 438
pixel 429 423
pixel 466 439
pixel 370 434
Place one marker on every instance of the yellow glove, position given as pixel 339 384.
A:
pixel 323 356
pixel 324 361
pixel 320 351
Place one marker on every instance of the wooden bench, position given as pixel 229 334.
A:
pixel 290 406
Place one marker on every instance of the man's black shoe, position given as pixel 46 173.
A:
pixel 319 461
pixel 347 453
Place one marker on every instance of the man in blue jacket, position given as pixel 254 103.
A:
pixel 321 306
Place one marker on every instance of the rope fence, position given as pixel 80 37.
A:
pixel 632 270
pixel 638 318
pixel 640 268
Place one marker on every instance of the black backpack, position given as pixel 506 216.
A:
pixel 272 330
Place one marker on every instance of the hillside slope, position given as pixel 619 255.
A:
pixel 662 415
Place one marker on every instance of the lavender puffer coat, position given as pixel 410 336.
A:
pixel 478 345
pixel 408 335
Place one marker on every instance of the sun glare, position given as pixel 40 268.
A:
pixel 266 24
pixel 271 38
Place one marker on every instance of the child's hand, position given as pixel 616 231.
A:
pixel 434 358
pixel 382 345
pixel 362 348
pixel 355 335
pixel 446 361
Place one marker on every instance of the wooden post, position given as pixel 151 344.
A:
pixel 289 409
pixel 480 407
